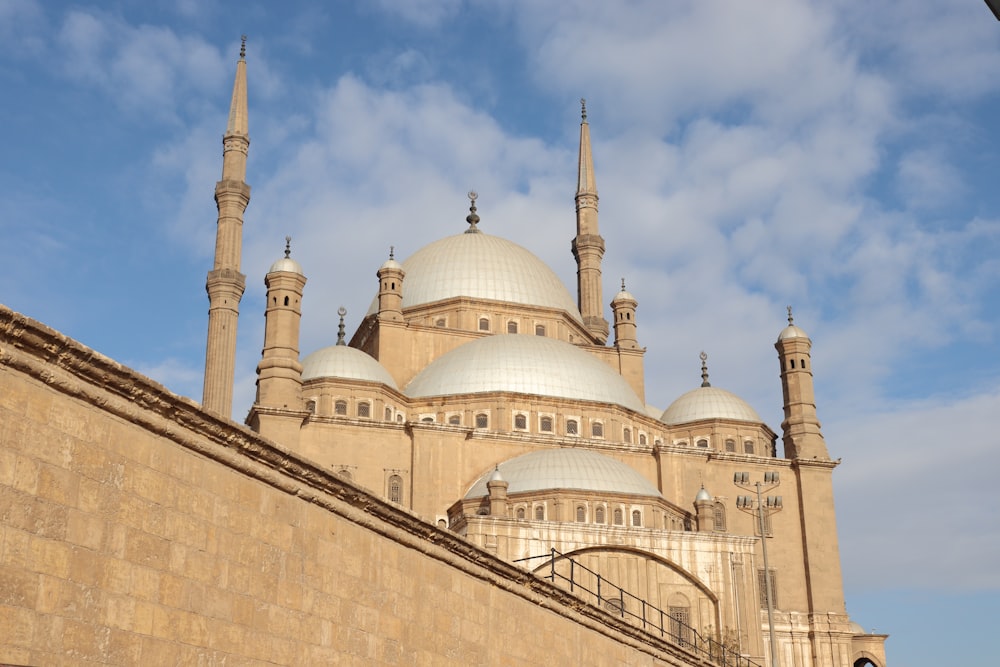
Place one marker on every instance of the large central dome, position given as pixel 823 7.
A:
pixel 527 365
pixel 481 266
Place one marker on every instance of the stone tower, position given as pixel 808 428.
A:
pixel 588 246
pixel 225 283
pixel 279 409
pixel 800 428
pixel 623 309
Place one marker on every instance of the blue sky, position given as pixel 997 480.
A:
pixel 839 156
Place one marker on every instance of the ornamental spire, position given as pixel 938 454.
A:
pixel 238 123
pixel 588 246
pixel 586 183
pixel 340 327
pixel 473 217
pixel 704 370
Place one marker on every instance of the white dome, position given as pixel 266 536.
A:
pixel 576 469
pixel 341 361
pixel 482 266
pixel 524 364
pixel 286 264
pixel 708 403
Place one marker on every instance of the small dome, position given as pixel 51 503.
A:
pixel 572 469
pixel 703 494
pixel 286 264
pixel 482 266
pixel 496 476
pixel 391 264
pixel 524 364
pixel 858 629
pixel 708 403
pixel 341 361
pixel 792 331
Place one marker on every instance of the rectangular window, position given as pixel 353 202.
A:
pixel 762 588
pixel 680 624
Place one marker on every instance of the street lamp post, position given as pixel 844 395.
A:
pixel 762 507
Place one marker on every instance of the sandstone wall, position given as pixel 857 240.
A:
pixel 136 529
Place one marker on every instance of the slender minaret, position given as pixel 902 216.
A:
pixel 588 246
pixel 279 382
pixel 225 283
pixel 390 289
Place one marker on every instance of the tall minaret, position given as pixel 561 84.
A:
pixel 588 246
pixel 225 283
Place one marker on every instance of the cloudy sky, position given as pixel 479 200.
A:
pixel 839 156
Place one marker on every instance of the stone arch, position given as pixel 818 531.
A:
pixel 865 659
pixel 587 557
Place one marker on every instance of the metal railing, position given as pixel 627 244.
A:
pixel 592 587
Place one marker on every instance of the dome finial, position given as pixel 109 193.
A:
pixel 288 247
pixel 472 218
pixel 704 370
pixel 340 328
pixel 583 109
pixel 243 47
pixel 623 284
pixel 392 252
pixel 791 321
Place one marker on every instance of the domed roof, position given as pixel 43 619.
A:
pixel 792 331
pixel 524 364
pixel 708 403
pixel 482 266
pixel 567 468
pixel 341 361
pixel 702 495
pixel 286 264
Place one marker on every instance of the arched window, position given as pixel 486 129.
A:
pixel 344 473
pixel 642 438
pixel 545 424
pixel 512 327
pixel 311 407
pixel 395 489
pixel 719 518
pixel 388 414
pixel 703 443
pixel 482 420
pixel 636 518
pixel 440 322
pixel 627 435
pixel 364 409
pixel 455 420
pixel 619 517
pixel 539 329
pixel 427 420
pixel 581 513
pixel 748 446
pixel 572 427
pixel 484 324
pixel 540 513
pixel 730 445
pixel 763 589
pixel 340 408
pixel 520 513
pixel 599 515
pixel 399 417
pixel 792 363
pixel 597 430
pixel 520 421
pixel 286 300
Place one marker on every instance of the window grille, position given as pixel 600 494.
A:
pixel 719 518
pixel 539 329
pixel 482 420
pixel 545 424
pixel 748 447
pixel 730 445
pixel 581 513
pixel 520 421
pixel 512 327
pixel 311 407
pixel 627 436
pixel 340 408
pixel 364 409
pixel 762 588
pixel 520 513
pixel 540 513
pixel 637 518
pixel 455 420
pixel 599 515
pixel 395 489
pixel 680 624
pixel 484 324
pixel 619 517
pixel 703 443
pixel 571 427
pixel 642 438
pixel 388 414
pixel 597 430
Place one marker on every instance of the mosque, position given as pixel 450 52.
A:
pixel 482 398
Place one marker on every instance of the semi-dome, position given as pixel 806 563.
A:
pixel 524 364
pixel 567 468
pixel 482 266
pixel 708 403
pixel 341 361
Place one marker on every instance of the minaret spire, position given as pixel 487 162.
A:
pixel 225 283
pixel 588 246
